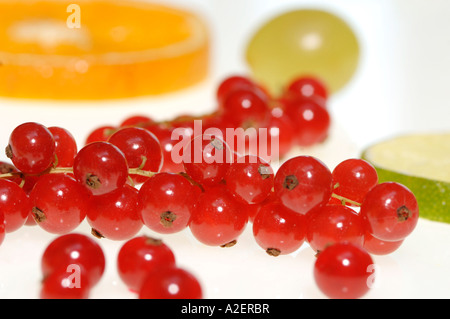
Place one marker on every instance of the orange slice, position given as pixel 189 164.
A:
pixel 98 49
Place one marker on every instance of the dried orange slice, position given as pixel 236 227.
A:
pixel 99 49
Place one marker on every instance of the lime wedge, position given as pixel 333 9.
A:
pixel 421 162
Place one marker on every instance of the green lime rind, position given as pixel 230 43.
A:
pixel 433 197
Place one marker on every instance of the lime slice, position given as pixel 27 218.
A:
pixel 421 163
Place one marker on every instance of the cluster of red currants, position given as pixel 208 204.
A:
pixel 299 117
pixel 74 263
pixel 119 183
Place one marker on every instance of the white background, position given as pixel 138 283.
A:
pixel 399 87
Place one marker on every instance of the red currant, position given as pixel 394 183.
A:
pixel 312 119
pixel 279 230
pixel 100 167
pixel 139 120
pixel 376 246
pixel 140 256
pixel 65 146
pixel 218 219
pixel 114 215
pixel 307 86
pixel 164 135
pixel 342 271
pixel 31 148
pixel 331 224
pixel 14 204
pixel 166 202
pixel 353 178
pixel 250 179
pixel 232 83
pixel 390 211
pixel 302 183
pixel 59 203
pixel 100 134
pixel 74 249
pixel 141 149
pixel 171 283
pixel 206 159
pixel 245 108
pixel 71 282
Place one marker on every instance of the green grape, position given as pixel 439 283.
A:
pixel 303 42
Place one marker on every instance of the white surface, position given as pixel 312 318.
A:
pixel 399 87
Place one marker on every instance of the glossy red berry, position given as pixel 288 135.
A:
pixel 250 179
pixel 100 167
pixel 390 211
pixel 245 108
pixel 59 203
pixel 141 149
pixel 218 219
pixel 100 134
pixel 31 148
pixel 376 246
pixel 71 282
pixel 331 224
pixel 233 83
pixel 166 202
pixel 138 120
pixel 344 271
pixel 307 86
pixel 65 146
pixel 171 283
pixel 114 215
pixel 140 256
pixel 206 159
pixel 279 230
pixel 302 183
pixel 74 249
pixel 15 205
pixel 312 121
pixel 353 178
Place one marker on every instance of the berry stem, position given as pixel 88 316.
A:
pixel 345 200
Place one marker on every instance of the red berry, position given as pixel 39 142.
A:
pixel 136 121
pixel 100 167
pixel 390 211
pixel 74 249
pixel 59 203
pixel 71 282
pixel 164 135
pixel 245 108
pixel 307 87
pixel 218 219
pixel 281 130
pixel 114 215
pixel 302 183
pixel 331 224
pixel 279 230
pixel 65 146
pixel 31 148
pixel 2 227
pixel 100 134
pixel 206 159
pixel 250 179
pixel 312 121
pixel 14 204
pixel 171 283
pixel 166 202
pixel 140 256
pixel 141 149
pixel 353 178
pixel 376 246
pixel 343 271
pixel 231 84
